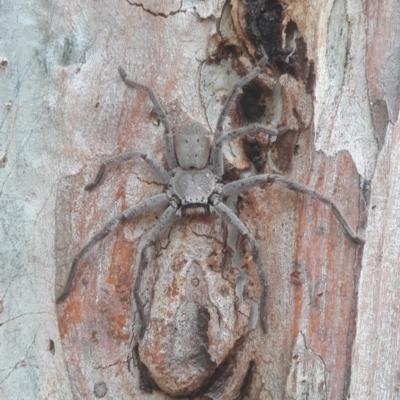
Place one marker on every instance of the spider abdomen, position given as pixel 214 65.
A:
pixel 193 187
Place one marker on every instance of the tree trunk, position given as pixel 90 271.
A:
pixel 332 81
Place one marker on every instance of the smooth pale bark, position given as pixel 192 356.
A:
pixel 333 310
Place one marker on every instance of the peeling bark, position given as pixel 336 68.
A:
pixel 332 80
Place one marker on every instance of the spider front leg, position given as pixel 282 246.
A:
pixel 218 162
pixel 250 130
pixel 216 152
pixel 141 208
pixel 163 224
pixel 154 165
pixel 169 139
pixel 230 217
pixel 234 93
pixel 246 183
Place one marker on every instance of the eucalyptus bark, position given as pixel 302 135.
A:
pixel 332 322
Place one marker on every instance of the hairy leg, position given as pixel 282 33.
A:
pixel 154 165
pixel 234 93
pixel 216 152
pixel 230 217
pixel 247 130
pixel 170 148
pixel 163 225
pixel 246 183
pixel 146 205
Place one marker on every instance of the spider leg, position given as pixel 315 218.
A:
pixel 218 163
pixel 246 183
pixel 169 139
pixel 216 152
pixel 234 93
pixel 146 205
pixel 249 130
pixel 156 233
pixel 154 165
pixel 230 217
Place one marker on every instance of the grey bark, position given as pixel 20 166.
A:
pixel 333 317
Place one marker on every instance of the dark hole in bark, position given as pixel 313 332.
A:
pixel 252 103
pixel 52 347
pixel 147 383
pixel 253 153
pixel 245 391
pixel 264 27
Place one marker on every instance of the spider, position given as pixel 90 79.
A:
pixel 194 181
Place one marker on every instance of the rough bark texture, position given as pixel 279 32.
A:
pixel 333 330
